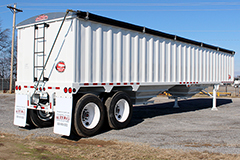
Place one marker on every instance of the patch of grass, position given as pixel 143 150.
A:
pixel 59 148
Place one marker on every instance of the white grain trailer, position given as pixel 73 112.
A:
pixel 97 68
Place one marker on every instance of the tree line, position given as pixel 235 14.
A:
pixel 5 54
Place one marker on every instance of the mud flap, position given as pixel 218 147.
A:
pixel 20 111
pixel 63 116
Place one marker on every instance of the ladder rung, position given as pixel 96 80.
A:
pixel 39 38
pixel 38 52
pixel 38 66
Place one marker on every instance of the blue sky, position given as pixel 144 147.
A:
pixel 213 22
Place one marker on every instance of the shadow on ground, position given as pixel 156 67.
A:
pixel 142 112
pixel 149 111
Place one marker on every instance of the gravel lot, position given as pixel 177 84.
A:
pixel 192 127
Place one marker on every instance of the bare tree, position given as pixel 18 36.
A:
pixel 5 54
pixel 4 39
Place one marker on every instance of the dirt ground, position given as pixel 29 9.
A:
pixel 191 132
pixel 12 147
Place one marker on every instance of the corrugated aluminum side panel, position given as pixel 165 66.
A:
pixel 111 54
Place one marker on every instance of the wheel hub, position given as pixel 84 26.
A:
pixel 90 115
pixel 122 110
pixel 44 116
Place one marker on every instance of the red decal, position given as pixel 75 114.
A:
pixel 60 67
pixel 41 18
pixel 229 76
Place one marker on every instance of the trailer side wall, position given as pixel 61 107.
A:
pixel 112 54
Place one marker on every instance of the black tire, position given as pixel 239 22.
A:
pixel 40 119
pixel 89 115
pixel 119 110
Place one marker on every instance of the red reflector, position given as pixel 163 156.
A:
pixel 131 83
pixel 103 83
pixel 35 106
pixel 31 86
pixel 70 90
pixel 40 88
pixel 118 83
pixel 180 82
pixel 138 83
pixel 44 89
pixel 184 82
pixel 16 87
pixel 187 82
pixel 57 87
pixel 65 90
pixel 95 84
pixel 190 82
pixel 42 107
pixel 27 102
pixel 197 82
pixel 110 83
pixel 49 87
pixel 19 87
pixel 86 84
pixel 50 105
pixel 25 86
pixel 125 83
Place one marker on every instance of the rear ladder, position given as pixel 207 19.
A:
pixel 39 52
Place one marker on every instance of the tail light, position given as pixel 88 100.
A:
pixel 65 90
pixel 70 90
pixel 18 88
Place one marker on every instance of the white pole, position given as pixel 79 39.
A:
pixel 214 107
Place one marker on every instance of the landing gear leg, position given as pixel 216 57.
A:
pixel 215 88
pixel 176 103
